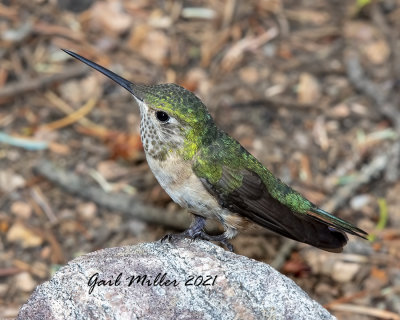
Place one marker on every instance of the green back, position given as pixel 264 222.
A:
pixel 225 152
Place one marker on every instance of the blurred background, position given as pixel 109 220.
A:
pixel 310 87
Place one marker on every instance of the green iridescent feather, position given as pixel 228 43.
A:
pixel 227 152
pixel 186 108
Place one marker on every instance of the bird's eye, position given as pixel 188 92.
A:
pixel 162 116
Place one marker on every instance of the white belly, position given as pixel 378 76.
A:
pixel 184 187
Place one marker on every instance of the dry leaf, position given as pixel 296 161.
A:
pixel 10 181
pixel 379 274
pixel 40 269
pixel 251 43
pixel 18 233
pixel 87 211
pixel 76 92
pixel 369 39
pixel 344 271
pixel 155 47
pixel 197 80
pixel 308 16
pixel 360 30
pixel 377 52
pixel 21 209
pixel 249 75
pixel 341 110
pixel 138 35
pixel 110 16
pixel 24 282
pixel 111 170
pixel 308 91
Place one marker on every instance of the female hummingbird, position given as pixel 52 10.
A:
pixel 206 171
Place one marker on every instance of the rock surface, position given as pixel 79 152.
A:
pixel 224 286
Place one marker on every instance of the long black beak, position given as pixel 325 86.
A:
pixel 113 76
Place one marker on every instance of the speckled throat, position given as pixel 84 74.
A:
pixel 150 138
pixel 158 141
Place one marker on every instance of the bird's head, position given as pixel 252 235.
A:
pixel 173 119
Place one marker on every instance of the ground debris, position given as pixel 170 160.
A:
pixel 310 88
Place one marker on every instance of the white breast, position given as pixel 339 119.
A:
pixel 176 177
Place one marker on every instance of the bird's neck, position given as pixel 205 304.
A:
pixel 196 137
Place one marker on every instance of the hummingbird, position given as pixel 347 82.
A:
pixel 214 177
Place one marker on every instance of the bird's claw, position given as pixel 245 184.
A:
pixel 173 237
pixel 198 235
pixel 196 232
pixel 221 239
pixel 228 245
pixel 178 236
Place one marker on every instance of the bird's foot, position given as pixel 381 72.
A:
pixel 194 232
pixel 221 238
pixel 178 236
pixel 198 235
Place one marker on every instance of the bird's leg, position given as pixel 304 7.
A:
pixel 195 231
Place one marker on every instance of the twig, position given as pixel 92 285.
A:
pixel 57 254
pixel 349 298
pixel 284 251
pixel 372 312
pixel 361 294
pixel 378 93
pixel 366 174
pixel 7 272
pixel 25 143
pixel 392 169
pixel 277 102
pixel 40 199
pixel 229 13
pixel 22 87
pixel 72 117
pixel 67 109
pixel 391 35
pixel 250 43
pixel 386 104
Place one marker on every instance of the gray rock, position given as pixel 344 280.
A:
pixel 224 286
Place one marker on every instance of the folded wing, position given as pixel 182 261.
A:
pixel 253 201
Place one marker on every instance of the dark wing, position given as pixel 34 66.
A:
pixel 253 201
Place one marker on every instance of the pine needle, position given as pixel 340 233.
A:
pixel 72 117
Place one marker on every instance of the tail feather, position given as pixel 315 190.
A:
pixel 335 222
